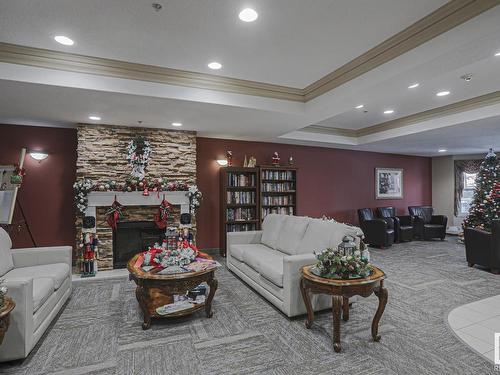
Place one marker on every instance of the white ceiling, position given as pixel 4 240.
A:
pixel 292 43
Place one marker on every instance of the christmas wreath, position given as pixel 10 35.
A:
pixel 138 155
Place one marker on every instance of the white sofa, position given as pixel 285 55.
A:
pixel 269 260
pixel 39 282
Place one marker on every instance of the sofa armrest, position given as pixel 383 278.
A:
pixel 248 237
pixel 291 271
pixel 439 219
pixel 406 220
pixel 20 333
pixel 42 255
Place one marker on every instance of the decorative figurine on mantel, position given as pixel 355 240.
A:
pixel 276 159
pixel 290 161
pixel 229 158
pixel 252 162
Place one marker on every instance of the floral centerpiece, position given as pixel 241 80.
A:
pixel 3 292
pixel 333 263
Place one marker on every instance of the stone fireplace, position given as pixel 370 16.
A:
pixel 102 158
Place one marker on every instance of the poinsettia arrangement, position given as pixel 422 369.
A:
pixel 335 264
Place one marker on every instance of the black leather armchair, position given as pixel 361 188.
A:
pixel 378 231
pixel 426 225
pixel 483 247
pixel 403 224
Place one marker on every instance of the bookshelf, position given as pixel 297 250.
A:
pixel 239 201
pixel 278 190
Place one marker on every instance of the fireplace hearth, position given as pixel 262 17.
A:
pixel 132 237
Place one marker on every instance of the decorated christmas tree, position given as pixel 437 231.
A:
pixel 485 204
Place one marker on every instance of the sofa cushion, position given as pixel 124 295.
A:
pixel 317 237
pixel 321 234
pixel 6 262
pixel 271 227
pixel 267 262
pixel 43 288
pixel 291 234
pixel 58 272
pixel 237 251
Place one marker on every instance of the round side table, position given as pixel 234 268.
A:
pixel 341 290
pixel 5 311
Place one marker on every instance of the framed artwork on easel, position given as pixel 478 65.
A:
pixel 10 180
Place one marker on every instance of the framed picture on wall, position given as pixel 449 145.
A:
pixel 388 183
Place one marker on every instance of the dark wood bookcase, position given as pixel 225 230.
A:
pixel 240 210
pixel 278 190
pixel 248 194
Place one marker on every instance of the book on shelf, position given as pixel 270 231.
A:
pixel 241 180
pixel 278 186
pixel 241 227
pixel 268 174
pixel 235 214
pixel 278 200
pixel 240 197
pixel 277 210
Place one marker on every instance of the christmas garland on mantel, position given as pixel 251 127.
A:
pixel 84 186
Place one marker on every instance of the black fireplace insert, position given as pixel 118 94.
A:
pixel 132 237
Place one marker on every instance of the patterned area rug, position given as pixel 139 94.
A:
pixel 99 331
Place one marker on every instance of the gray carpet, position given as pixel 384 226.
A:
pixel 99 332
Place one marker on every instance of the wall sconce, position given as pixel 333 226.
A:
pixel 39 155
pixel 222 162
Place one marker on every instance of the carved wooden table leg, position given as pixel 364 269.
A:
pixel 345 309
pixel 140 294
pixel 213 283
pixel 307 301
pixel 336 306
pixel 382 295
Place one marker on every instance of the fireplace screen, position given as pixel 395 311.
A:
pixel 132 237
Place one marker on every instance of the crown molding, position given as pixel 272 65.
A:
pixel 450 109
pixel 43 58
pixel 443 19
pixel 436 23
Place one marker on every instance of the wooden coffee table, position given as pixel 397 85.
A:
pixel 341 290
pixel 154 290
pixel 5 311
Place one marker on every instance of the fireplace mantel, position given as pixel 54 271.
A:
pixel 135 198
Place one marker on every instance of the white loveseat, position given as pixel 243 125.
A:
pixel 269 260
pixel 39 282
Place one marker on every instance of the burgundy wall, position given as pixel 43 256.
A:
pixel 46 195
pixel 329 181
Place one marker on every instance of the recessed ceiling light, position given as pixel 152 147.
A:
pixel 94 118
pixel 414 85
pixel 177 124
pixel 64 40
pixel 359 106
pixel 248 15
pixel 442 150
pixel 443 93
pixel 497 54
pixel 388 112
pixel 215 65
